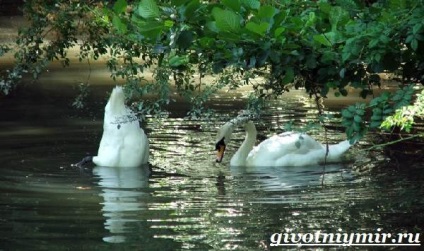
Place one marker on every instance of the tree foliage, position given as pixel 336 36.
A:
pixel 317 45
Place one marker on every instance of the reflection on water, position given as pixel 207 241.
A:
pixel 288 178
pixel 186 201
pixel 123 198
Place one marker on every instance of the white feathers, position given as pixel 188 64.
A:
pixel 286 149
pixel 124 143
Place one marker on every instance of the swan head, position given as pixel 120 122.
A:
pixel 223 136
pixel 224 133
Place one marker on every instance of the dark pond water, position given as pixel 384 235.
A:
pixel 183 200
pixel 187 201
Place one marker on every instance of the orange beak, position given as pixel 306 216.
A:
pixel 220 153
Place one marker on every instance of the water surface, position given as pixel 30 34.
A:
pixel 182 200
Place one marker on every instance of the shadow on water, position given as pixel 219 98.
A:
pixel 186 201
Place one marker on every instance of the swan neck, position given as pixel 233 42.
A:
pixel 247 145
pixel 250 135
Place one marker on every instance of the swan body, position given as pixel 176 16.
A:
pixel 123 143
pixel 286 149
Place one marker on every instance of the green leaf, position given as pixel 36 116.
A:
pixel 337 15
pixel 324 7
pixel 232 4
pixel 357 119
pixel 384 39
pixel 191 8
pixel 176 61
pixel 360 112
pixel 206 42
pixel 346 56
pixel 168 23
pixel 414 44
pixel 377 111
pixel 334 37
pixel 349 131
pixel 356 127
pixel 375 124
pixel 266 11
pixel 409 38
pixel 212 26
pixel 373 43
pixel 120 6
pixel 311 19
pixel 417 27
pixel 278 31
pixel 322 40
pixel 226 20
pixel 260 29
pixel 178 3
pixel 150 29
pixel 251 4
pixel 377 58
pixel 346 122
pixel 328 57
pixel 376 117
pixel 289 76
pixel 120 26
pixel 387 111
pixel 148 9
pixel 352 108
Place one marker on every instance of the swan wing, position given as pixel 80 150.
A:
pixel 285 149
pixel 123 144
pixel 108 153
pixel 135 149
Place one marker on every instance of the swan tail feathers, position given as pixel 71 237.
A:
pixel 116 103
pixel 336 151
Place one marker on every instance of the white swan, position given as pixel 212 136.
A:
pixel 123 143
pixel 286 149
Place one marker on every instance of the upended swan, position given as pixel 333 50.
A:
pixel 123 143
pixel 286 149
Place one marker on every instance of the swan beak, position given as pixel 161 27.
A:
pixel 220 153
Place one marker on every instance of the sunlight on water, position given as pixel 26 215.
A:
pixel 183 200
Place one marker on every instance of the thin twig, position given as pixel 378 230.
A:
pixel 393 142
pixel 327 149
